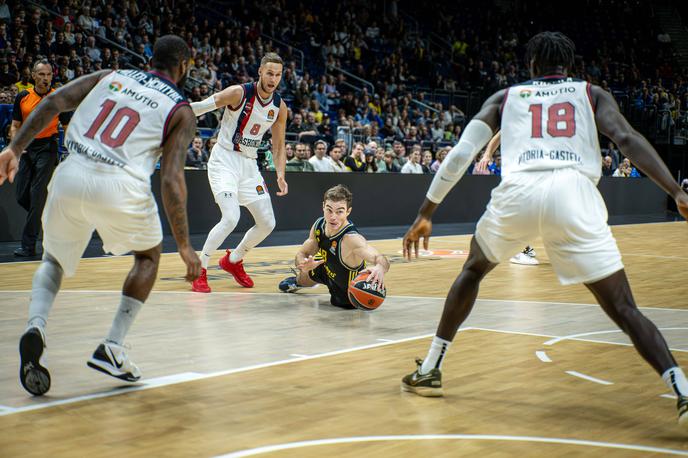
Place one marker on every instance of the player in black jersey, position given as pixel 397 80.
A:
pixel 335 252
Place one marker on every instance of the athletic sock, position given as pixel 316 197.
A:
pixel 44 288
pixel 675 379
pixel 237 255
pixel 125 316
pixel 205 260
pixel 435 357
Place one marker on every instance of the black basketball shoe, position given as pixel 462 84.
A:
pixel 33 376
pixel 429 385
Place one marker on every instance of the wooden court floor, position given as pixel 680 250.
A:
pixel 538 370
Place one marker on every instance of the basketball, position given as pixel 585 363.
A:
pixel 363 295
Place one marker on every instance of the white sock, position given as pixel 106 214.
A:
pixel 229 207
pixel 125 316
pixel 435 357
pixel 205 260
pixel 46 284
pixel 263 215
pixel 675 379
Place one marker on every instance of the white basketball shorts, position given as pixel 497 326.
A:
pixel 229 171
pixel 564 208
pixel 84 196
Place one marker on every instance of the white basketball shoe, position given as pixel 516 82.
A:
pixel 112 359
pixel 525 257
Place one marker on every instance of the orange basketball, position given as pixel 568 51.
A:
pixel 364 295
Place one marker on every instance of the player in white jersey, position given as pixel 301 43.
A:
pixel 123 122
pixel 550 167
pixel 527 256
pixel 251 109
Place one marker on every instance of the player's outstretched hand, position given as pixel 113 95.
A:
pixel 377 276
pixel 192 261
pixel 682 205
pixel 309 264
pixel 283 186
pixel 422 228
pixel 9 164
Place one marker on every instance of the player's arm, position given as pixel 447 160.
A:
pixel 634 146
pixel 228 97
pixel 304 261
pixel 17 116
pixel 279 154
pixel 377 263
pixel 490 149
pixel 67 98
pixel 182 128
pixel 475 136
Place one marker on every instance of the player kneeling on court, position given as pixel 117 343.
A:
pixel 335 253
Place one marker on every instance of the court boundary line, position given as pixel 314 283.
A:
pixel 174 379
pixel 112 291
pixel 475 437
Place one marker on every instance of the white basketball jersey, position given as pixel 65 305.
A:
pixel 243 127
pixel 123 121
pixel 549 123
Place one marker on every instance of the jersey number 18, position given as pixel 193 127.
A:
pixel 561 120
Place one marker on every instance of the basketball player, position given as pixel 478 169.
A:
pixel 527 256
pixel 335 253
pixel 551 163
pixel 123 121
pixel 235 180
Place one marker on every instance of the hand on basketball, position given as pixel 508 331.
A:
pixel 377 275
pixel 283 186
pixel 309 264
pixel 422 228
pixel 192 261
pixel 9 164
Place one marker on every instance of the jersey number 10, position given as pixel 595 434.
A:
pixel 561 120
pixel 132 120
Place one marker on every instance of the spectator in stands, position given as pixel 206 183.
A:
pixel 196 156
pixel 612 152
pixel 441 154
pixel 607 169
pixel 495 167
pixel 335 157
pixel 289 151
pixel 624 170
pixel 7 76
pixel 356 161
pixel 413 164
pixel 426 161
pixel 390 166
pixel 91 50
pixel 380 158
pixel 400 154
pixel 24 83
pixel 300 161
pixel 319 161
pixel 371 164
pixel 296 126
pixel 4 11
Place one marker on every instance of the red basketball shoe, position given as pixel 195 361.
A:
pixel 237 270
pixel 200 285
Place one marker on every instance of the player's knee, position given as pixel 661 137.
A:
pixel 267 223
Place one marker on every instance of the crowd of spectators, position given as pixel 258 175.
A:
pixel 408 57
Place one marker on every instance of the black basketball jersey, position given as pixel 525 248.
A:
pixel 337 272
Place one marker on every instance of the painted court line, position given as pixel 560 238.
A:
pixel 585 334
pixel 194 376
pixel 588 378
pixel 112 291
pixel 469 437
pixel 542 356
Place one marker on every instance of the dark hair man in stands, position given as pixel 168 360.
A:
pixel 38 163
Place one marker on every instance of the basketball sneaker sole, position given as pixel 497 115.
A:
pixel 33 377
pixel 424 391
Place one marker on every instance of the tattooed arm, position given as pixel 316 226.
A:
pixel 66 98
pixel 173 185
